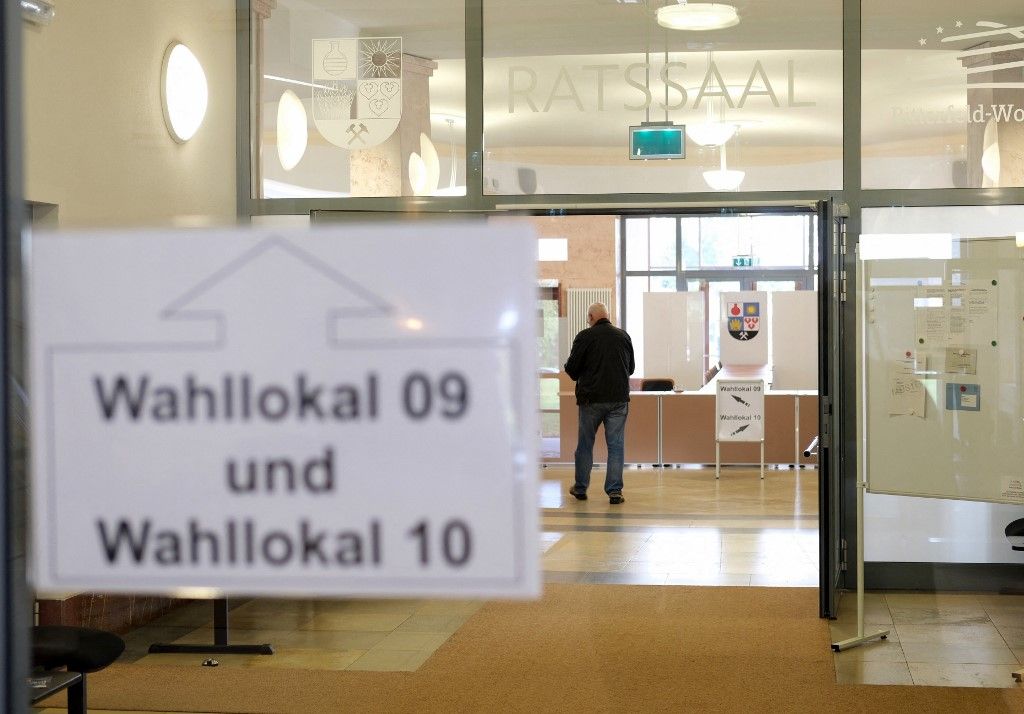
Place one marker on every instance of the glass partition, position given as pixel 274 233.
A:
pixel 360 99
pixel 109 145
pixel 761 101
pixel 941 384
pixel 942 94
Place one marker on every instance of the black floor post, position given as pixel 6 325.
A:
pixel 220 622
pixel 220 639
pixel 77 697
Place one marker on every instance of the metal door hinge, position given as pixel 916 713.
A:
pixel 825 437
pixel 842 286
pixel 842 559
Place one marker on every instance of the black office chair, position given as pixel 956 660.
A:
pixel 657 384
pixel 1015 534
pixel 712 372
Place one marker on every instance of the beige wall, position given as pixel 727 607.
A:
pixel 591 261
pixel 95 140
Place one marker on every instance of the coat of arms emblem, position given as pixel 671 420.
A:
pixel 357 89
pixel 744 320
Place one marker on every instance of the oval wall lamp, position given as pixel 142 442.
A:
pixel 292 130
pixel 183 92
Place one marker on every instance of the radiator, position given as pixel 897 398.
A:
pixel 576 309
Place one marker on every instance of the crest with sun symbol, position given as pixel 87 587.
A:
pixel 357 89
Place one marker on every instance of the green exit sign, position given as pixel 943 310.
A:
pixel 657 141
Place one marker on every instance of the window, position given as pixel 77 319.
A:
pixel 713 254
pixel 564 81
pixel 322 91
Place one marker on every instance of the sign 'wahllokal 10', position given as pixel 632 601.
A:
pixel 266 413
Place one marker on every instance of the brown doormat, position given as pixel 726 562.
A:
pixel 582 648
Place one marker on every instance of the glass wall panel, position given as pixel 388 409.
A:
pixel 777 241
pixel 564 81
pixel 941 383
pixel 360 99
pixel 690 232
pixel 943 94
pixel 105 149
pixel 663 243
pixel 720 241
pixel 638 252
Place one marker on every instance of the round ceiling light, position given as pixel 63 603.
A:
pixel 292 130
pixel 698 16
pixel 184 92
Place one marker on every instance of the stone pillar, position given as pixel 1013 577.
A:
pixel 985 103
pixel 382 170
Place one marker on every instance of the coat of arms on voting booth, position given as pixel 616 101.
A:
pixel 357 89
pixel 744 320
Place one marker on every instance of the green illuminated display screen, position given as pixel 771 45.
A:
pixel 657 142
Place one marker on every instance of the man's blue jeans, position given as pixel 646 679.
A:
pixel 613 415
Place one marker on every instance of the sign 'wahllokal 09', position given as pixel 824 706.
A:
pixel 264 413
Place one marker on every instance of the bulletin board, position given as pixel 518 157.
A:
pixel 941 374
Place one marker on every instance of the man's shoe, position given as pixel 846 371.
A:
pixel 615 498
pixel 580 495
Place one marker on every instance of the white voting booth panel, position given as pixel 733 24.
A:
pixel 674 337
pixel 744 323
pixel 794 339
pixel 270 413
pixel 942 374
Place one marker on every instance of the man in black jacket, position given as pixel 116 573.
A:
pixel 600 363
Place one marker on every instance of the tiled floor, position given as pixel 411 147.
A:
pixel 948 639
pixel 388 635
pixel 682 527
pixel 677 527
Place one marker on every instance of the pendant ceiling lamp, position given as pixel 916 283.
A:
pixel 697 16
pixel 714 130
pixel 712 133
pixel 722 178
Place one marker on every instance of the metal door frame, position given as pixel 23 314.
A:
pixel 14 618
pixel 832 284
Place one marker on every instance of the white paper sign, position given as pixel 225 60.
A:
pixel 340 412
pixel 906 390
pixel 739 410
pixel 1013 489
pixel 955 315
